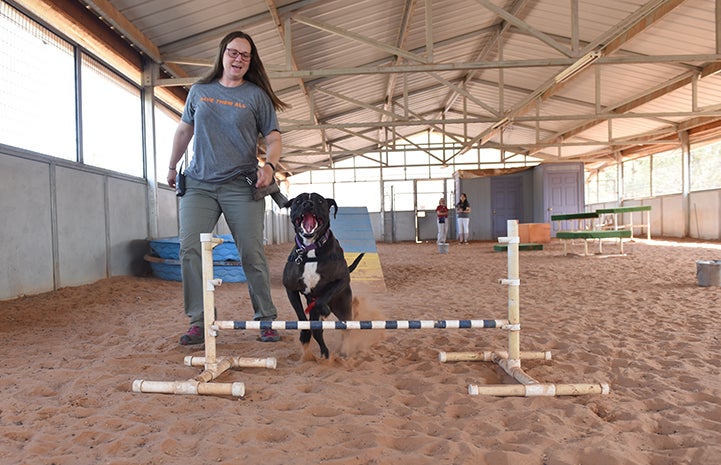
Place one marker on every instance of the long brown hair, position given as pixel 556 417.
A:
pixel 256 71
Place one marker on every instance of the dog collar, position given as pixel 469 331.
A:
pixel 302 250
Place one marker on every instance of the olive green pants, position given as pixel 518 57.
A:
pixel 200 210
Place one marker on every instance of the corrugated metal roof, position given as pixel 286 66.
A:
pixel 344 50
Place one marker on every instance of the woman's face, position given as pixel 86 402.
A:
pixel 236 59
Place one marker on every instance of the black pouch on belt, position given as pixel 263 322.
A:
pixel 180 184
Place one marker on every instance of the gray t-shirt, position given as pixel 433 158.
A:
pixel 227 122
pixel 460 206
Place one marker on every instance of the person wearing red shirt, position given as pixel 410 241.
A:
pixel 442 213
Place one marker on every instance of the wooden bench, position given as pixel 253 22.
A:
pixel 630 226
pixel 577 221
pixel 522 246
pixel 599 235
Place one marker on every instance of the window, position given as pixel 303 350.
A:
pixel 706 167
pixel 666 173
pixel 368 160
pixel 472 156
pixel 344 170
pixel 166 122
pixel 398 196
pixel 428 192
pixel 417 158
pixel 637 178
pixel 358 194
pixel 418 172
pixel 368 174
pixel 394 173
pixel 591 186
pixel 301 178
pixel 324 189
pixel 37 87
pixel 326 175
pixel 608 184
pixel 441 171
pixel 112 120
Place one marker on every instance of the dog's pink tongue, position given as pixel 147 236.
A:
pixel 309 223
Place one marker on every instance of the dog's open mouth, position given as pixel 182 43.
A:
pixel 308 224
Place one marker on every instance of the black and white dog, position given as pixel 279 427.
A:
pixel 316 267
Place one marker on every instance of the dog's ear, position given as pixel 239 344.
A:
pixel 331 204
pixel 288 203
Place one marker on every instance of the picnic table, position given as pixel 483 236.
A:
pixel 598 234
pixel 586 226
pixel 614 212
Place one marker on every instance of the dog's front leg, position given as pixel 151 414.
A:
pixel 295 302
pixel 328 293
pixel 314 315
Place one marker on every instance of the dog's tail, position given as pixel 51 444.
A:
pixel 355 263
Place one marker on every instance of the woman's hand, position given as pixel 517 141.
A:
pixel 265 176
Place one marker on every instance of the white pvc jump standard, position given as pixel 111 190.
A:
pixel 510 360
pixel 214 366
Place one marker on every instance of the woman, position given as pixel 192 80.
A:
pixel 224 113
pixel 463 211
pixel 442 214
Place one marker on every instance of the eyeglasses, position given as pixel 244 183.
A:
pixel 233 53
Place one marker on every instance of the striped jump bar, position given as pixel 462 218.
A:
pixel 374 324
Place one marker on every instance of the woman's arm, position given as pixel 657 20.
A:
pixel 273 150
pixel 181 139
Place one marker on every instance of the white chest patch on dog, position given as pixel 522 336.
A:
pixel 310 274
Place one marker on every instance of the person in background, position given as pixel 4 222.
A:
pixel 463 211
pixel 442 214
pixel 225 113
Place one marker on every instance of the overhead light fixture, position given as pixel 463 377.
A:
pixel 465 149
pixel 584 62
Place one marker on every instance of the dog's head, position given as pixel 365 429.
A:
pixel 310 215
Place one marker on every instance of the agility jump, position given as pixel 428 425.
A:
pixel 214 365
pixel 509 360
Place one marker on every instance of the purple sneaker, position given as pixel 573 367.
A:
pixel 193 336
pixel 269 335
